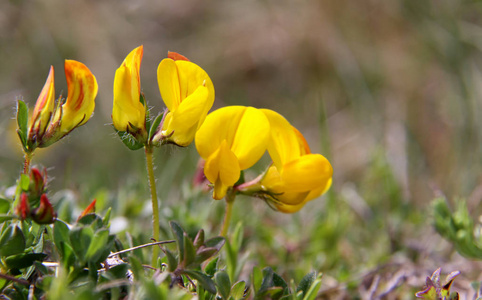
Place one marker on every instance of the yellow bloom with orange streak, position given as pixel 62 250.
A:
pixel 231 139
pixel 48 123
pixel 128 112
pixel 188 93
pixel 296 175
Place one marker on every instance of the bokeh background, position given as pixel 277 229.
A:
pixel 390 91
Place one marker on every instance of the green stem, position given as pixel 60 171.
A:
pixel 230 196
pixel 155 204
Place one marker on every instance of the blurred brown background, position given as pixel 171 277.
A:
pixel 365 79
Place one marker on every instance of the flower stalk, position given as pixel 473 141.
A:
pixel 230 197
pixel 155 204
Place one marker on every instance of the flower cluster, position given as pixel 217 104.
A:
pixel 34 202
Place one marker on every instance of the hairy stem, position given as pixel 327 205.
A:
pixel 26 163
pixel 155 204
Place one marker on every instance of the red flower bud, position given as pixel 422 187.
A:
pixel 37 182
pixel 23 209
pixel 45 213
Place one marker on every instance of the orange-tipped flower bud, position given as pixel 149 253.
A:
pixel 45 213
pixel 89 210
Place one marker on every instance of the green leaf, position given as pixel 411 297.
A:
pixel 24 182
pixel 189 251
pixel 22 121
pixel 202 279
pixel 257 278
pixel 154 125
pixel 215 242
pixel 204 254
pixel 4 206
pixel 313 290
pixel 306 282
pixel 223 283
pixel 199 239
pixel 171 260
pixel 129 140
pixel 106 219
pixel 24 260
pixel 80 239
pixel 179 236
pixel 61 235
pixel 98 245
pixel 267 280
pixel 211 267
pixel 279 281
pixel 12 241
pixel 237 291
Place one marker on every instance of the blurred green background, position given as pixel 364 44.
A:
pixel 390 91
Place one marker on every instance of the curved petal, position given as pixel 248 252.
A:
pixel 127 106
pixel 219 125
pixel 184 120
pixel 251 137
pixel 222 169
pixel 191 76
pixel 82 90
pixel 44 106
pixel 168 81
pixel 283 143
pixel 306 173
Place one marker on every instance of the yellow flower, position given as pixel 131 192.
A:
pixel 82 90
pixel 128 112
pixel 49 124
pixel 44 108
pixel 296 176
pixel 231 139
pixel 188 93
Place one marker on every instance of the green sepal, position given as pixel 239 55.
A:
pixel 155 124
pixel 202 279
pixel 129 140
pixel 24 182
pixel 22 123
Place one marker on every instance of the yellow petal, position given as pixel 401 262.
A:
pixel 251 137
pixel 274 184
pixel 168 80
pixel 219 125
pixel 306 173
pixel 191 76
pixel 245 130
pixel 82 90
pixel 184 120
pixel 286 208
pixel 222 169
pixel 44 106
pixel 283 144
pixel 127 107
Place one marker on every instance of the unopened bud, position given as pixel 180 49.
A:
pixel 45 213
pixel 23 209
pixel 37 182
pixel 89 210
